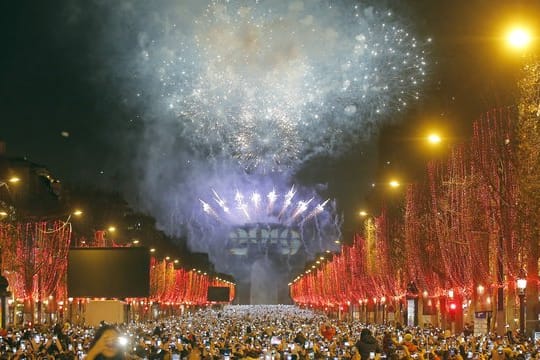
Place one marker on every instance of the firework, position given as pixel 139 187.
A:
pixel 271 83
pixel 262 208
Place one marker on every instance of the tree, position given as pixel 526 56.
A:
pixel 528 133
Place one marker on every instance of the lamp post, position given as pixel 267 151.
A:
pixel 521 287
pixel 524 43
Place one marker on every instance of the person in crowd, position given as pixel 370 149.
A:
pixel 300 338
pixel 355 355
pixel 60 333
pixel 106 345
pixel 402 353
pixel 328 331
pixel 408 342
pixel 388 344
pixel 367 345
pixel 275 333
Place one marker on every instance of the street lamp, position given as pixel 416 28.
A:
pixel 6 183
pixel 434 139
pixel 521 286
pixel 11 180
pixel 67 222
pixel 519 38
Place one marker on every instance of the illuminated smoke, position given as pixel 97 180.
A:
pixel 272 83
pixel 239 95
pixel 261 208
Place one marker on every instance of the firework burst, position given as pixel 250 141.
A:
pixel 256 207
pixel 272 82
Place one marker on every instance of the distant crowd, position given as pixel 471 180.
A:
pixel 258 332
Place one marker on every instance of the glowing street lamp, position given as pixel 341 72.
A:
pixel 363 213
pixel 394 184
pixel 14 179
pixel 434 139
pixel 111 229
pixel 521 284
pixel 11 180
pixel 519 38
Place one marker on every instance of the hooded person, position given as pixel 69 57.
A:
pixel 408 342
pixel 367 344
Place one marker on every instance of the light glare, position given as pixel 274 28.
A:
pixel 519 38
pixel 434 139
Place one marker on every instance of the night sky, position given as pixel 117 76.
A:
pixel 63 105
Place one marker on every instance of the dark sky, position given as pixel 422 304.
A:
pixel 53 81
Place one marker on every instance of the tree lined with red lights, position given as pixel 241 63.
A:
pixel 34 261
pixel 181 286
pixel 458 227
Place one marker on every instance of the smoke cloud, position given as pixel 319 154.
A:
pixel 236 96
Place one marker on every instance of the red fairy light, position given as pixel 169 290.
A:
pixel 456 219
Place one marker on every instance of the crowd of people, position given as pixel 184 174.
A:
pixel 258 332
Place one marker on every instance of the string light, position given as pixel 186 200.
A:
pixel 443 218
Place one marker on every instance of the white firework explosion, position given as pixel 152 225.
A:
pixel 272 82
